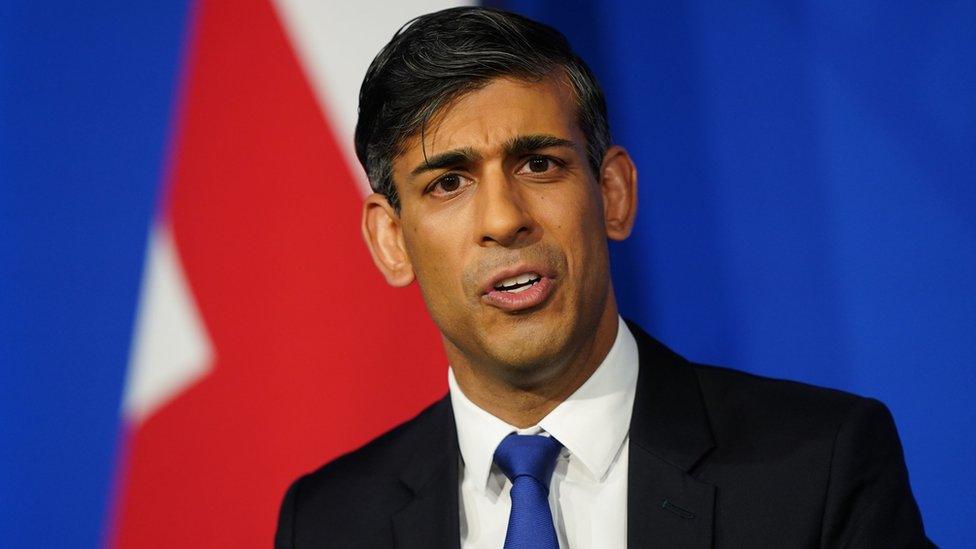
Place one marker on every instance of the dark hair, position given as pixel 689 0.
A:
pixel 436 58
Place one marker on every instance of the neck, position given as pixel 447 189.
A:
pixel 521 401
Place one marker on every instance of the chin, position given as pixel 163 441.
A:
pixel 524 349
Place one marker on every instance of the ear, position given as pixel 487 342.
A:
pixel 618 183
pixel 384 238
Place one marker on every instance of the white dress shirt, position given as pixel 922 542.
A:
pixel 588 491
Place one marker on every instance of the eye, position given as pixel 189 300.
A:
pixel 448 185
pixel 538 165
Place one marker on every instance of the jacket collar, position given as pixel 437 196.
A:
pixel 430 520
pixel 669 434
pixel 669 418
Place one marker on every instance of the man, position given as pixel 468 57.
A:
pixel 497 187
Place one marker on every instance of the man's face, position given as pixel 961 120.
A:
pixel 502 222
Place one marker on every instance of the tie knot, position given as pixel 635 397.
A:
pixel 528 455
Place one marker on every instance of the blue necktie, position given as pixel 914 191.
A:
pixel 528 461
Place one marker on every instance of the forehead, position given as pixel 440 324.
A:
pixel 487 118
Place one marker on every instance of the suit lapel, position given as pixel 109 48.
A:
pixel 665 506
pixel 431 520
pixel 669 435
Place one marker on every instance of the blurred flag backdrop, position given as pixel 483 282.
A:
pixel 188 318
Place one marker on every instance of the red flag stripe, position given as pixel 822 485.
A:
pixel 313 353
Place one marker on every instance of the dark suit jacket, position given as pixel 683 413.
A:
pixel 718 458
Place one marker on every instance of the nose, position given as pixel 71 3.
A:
pixel 502 211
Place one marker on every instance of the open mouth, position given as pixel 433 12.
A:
pixel 525 288
pixel 517 284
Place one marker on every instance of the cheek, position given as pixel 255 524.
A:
pixel 580 228
pixel 577 219
pixel 436 259
pixel 425 257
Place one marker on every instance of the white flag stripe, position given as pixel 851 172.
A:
pixel 335 41
pixel 170 349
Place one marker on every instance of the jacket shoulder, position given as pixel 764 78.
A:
pixel 834 458
pixel 386 454
pixel 733 396
pixel 358 492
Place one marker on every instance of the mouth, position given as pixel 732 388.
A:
pixel 518 291
pixel 518 284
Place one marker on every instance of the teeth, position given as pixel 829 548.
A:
pixel 519 289
pixel 517 283
pixel 519 279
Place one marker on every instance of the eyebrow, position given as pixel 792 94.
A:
pixel 447 159
pixel 516 146
pixel 524 144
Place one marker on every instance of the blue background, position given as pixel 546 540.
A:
pixel 807 202
pixel 86 97
pixel 807 211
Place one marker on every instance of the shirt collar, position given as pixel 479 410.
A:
pixel 592 423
